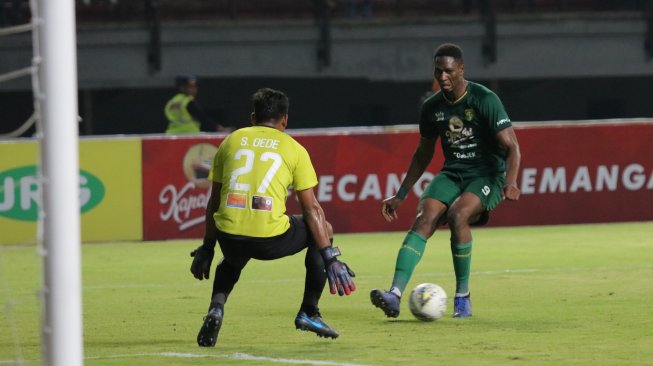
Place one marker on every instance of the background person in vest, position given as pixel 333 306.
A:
pixel 184 114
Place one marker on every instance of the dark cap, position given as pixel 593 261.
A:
pixel 184 79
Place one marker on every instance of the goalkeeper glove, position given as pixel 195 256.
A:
pixel 338 273
pixel 202 258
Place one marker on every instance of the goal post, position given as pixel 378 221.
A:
pixel 56 56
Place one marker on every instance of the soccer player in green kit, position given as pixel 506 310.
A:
pixel 246 214
pixel 480 170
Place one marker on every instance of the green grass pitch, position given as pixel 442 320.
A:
pixel 553 295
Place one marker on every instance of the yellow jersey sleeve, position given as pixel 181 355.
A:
pixel 215 174
pixel 304 177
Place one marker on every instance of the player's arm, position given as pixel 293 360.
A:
pixel 418 164
pixel 314 217
pixel 338 273
pixel 492 109
pixel 420 161
pixel 508 140
pixel 211 230
pixel 203 255
pixel 207 123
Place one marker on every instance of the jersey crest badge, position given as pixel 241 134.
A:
pixel 469 114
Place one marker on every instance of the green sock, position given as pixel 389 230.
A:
pixel 409 255
pixel 462 260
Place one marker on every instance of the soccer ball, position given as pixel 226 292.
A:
pixel 428 302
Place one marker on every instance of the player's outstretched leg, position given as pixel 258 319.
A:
pixel 208 334
pixel 462 306
pixel 409 255
pixel 386 301
pixel 315 324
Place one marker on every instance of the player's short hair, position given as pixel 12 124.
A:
pixel 451 50
pixel 181 80
pixel 269 104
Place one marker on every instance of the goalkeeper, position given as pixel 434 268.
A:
pixel 252 171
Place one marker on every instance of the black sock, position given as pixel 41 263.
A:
pixel 216 305
pixel 310 310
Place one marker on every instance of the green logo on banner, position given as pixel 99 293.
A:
pixel 20 196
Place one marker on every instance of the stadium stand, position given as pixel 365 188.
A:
pixel 124 11
pixel 92 11
pixel 115 35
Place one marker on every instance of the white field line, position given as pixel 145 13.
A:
pixel 374 277
pixel 234 356
pixel 361 278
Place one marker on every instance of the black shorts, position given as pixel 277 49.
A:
pixel 293 241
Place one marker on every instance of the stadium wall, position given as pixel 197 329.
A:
pixel 379 68
pixel 114 55
pixel 155 187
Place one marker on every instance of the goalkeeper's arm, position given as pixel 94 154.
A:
pixel 338 273
pixel 210 229
pixel 203 255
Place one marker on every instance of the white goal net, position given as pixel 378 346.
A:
pixel 53 71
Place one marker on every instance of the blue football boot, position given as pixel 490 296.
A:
pixel 387 301
pixel 462 306
pixel 208 335
pixel 315 324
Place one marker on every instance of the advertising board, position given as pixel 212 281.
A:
pixel 570 173
pixel 110 193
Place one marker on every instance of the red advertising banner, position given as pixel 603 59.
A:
pixel 583 173
pixel 357 171
pixel 570 173
pixel 175 186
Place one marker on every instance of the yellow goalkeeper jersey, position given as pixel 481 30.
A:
pixel 256 166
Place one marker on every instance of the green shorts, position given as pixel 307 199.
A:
pixel 447 186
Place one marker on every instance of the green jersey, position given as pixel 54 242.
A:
pixel 256 166
pixel 467 129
